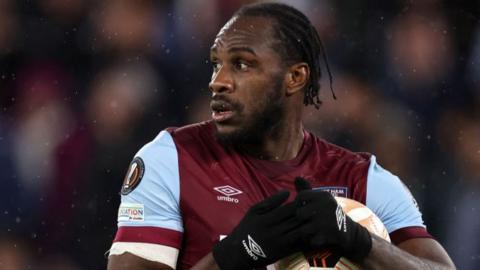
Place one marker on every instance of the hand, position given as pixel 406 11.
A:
pixel 325 225
pixel 267 232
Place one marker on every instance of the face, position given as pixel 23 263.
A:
pixel 247 81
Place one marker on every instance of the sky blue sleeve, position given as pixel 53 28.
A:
pixel 155 200
pixel 390 199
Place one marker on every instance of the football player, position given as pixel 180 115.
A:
pixel 221 194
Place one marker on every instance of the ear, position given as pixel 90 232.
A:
pixel 296 78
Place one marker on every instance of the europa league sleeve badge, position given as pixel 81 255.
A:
pixel 134 175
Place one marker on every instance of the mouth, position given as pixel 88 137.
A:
pixel 221 111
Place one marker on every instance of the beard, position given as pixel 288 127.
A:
pixel 262 123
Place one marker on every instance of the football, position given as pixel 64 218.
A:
pixel 328 260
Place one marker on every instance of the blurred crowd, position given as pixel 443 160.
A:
pixel 84 84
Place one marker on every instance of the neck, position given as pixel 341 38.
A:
pixel 283 142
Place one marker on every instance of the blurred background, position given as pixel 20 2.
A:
pixel 84 84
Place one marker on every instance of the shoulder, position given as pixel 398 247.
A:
pixel 162 143
pixel 384 187
pixel 169 138
pixel 196 140
pixel 154 168
pixel 337 152
pixel 152 162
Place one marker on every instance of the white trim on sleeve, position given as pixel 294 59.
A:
pixel 152 252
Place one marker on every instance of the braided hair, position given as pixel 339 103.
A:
pixel 298 41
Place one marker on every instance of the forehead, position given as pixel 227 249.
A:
pixel 246 31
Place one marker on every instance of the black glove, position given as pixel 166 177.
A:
pixel 325 225
pixel 267 233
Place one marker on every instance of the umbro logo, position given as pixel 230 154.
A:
pixel 228 192
pixel 253 249
pixel 341 219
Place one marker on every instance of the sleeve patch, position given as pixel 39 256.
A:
pixel 131 212
pixel 134 175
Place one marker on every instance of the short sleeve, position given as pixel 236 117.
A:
pixel 149 211
pixel 393 203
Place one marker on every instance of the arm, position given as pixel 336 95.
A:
pixel 418 253
pixel 128 261
pixel 391 200
pixel 149 222
pixel 207 262
pixel 132 262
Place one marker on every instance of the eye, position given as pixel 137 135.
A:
pixel 215 66
pixel 241 65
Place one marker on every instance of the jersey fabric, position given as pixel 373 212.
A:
pixel 195 191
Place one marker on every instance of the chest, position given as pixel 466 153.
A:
pixel 215 196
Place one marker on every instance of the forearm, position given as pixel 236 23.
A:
pixel 387 256
pixel 207 262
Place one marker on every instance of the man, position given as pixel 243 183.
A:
pixel 209 195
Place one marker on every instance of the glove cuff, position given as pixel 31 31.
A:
pixel 361 244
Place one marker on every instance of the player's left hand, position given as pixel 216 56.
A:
pixel 325 225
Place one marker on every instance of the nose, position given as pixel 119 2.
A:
pixel 221 81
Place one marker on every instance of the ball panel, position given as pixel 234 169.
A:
pixel 359 214
pixel 364 216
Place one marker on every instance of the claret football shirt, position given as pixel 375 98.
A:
pixel 185 190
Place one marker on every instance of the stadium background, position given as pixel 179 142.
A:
pixel 84 84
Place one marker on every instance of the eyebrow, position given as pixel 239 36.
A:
pixel 242 49
pixel 236 49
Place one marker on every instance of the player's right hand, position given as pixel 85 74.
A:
pixel 267 233
pixel 325 225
